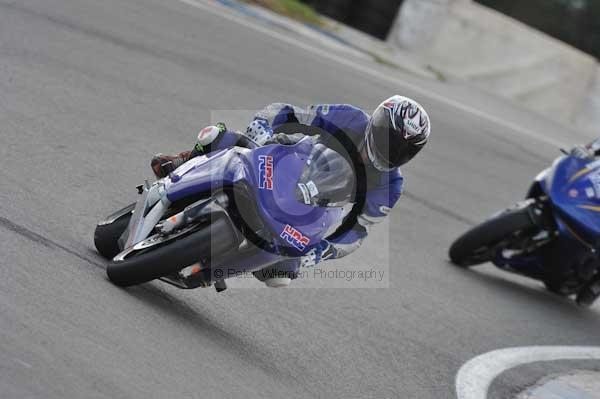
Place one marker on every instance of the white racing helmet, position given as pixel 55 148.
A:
pixel 398 130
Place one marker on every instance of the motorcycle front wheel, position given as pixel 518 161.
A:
pixel 481 243
pixel 108 232
pixel 160 256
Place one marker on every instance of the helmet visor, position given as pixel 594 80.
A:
pixel 385 140
pixel 387 144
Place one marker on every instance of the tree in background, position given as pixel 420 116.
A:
pixel 576 22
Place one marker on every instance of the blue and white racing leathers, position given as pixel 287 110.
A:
pixel 341 127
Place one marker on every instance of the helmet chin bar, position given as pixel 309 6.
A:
pixel 377 164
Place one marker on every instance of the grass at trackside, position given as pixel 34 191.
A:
pixel 291 8
pixel 304 13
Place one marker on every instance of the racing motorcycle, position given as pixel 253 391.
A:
pixel 551 236
pixel 228 213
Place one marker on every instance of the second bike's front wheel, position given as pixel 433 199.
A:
pixel 481 243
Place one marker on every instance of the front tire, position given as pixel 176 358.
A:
pixel 588 294
pixel 556 287
pixel 480 244
pixel 171 257
pixel 106 235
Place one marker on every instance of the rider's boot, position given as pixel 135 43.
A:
pixel 205 138
pixel 160 159
pixel 273 279
pixel 278 282
pixel 279 275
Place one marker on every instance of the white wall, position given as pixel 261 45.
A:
pixel 588 116
pixel 465 40
pixel 418 23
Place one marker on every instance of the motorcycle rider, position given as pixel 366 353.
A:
pixel 376 146
pixel 590 150
pixel 591 291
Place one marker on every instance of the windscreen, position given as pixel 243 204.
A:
pixel 327 180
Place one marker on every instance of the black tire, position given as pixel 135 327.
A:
pixel 478 245
pixel 106 236
pixel 555 288
pixel 585 299
pixel 588 294
pixel 214 239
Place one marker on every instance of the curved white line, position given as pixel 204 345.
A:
pixel 475 377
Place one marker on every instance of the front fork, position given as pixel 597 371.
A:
pixel 194 213
pixel 150 208
pixel 525 258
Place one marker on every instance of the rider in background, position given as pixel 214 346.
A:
pixel 591 150
pixel 376 146
pixel 591 291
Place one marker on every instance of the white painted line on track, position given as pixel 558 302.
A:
pixel 476 376
pixel 218 10
pixel 22 363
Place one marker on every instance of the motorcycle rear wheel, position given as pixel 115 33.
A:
pixel 162 260
pixel 480 244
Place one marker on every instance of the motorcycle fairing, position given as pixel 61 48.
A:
pixel 573 186
pixel 575 200
pixel 294 225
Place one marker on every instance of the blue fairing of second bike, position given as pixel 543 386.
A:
pixel 277 206
pixel 575 199
pixel 566 184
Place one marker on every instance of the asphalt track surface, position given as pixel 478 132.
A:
pixel 90 90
